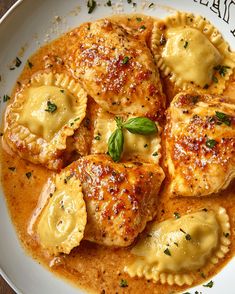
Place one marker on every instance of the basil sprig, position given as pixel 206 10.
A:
pixel 141 126
pixel 137 125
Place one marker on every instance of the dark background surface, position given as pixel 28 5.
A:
pixel 4 5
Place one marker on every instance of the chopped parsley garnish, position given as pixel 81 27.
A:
pixel 155 154
pixel 30 65
pixel 91 4
pixel 51 107
pixel 28 175
pixel 139 19
pixel 176 244
pixel 222 69
pixel 129 1
pixel 209 285
pixel 223 118
pixel 76 119
pixel 151 5
pixel 188 237
pixel 109 3
pixel 146 145
pixel 210 143
pixel 214 79
pixel 123 283
pixel 97 137
pixel 226 235
pixel 17 62
pixel 6 98
pixel 134 4
pixel 62 91
pixel 176 215
pixel 125 60
pixel 12 168
pixel 143 28
pixel 186 44
pixel 167 252
pixel 203 275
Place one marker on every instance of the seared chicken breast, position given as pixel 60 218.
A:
pixel 200 144
pixel 117 69
pixel 120 197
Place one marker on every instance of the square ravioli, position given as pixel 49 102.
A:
pixel 200 144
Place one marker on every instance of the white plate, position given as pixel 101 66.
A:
pixel 30 23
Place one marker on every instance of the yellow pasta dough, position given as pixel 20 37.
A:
pixel 62 223
pixel 180 44
pixel 171 251
pixel 44 113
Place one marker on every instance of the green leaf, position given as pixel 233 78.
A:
pixel 123 283
pixel 167 252
pixel 51 107
pixel 210 143
pixel 176 215
pixel 126 60
pixel 209 285
pixel 115 145
pixel 224 118
pixel 140 125
pixel 91 4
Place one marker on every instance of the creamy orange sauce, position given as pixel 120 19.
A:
pixel 93 267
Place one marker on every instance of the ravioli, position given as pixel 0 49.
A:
pixel 62 223
pixel 117 69
pixel 136 147
pixel 181 42
pixel 173 250
pixel 43 114
pixel 200 140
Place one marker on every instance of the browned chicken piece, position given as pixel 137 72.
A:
pixel 117 69
pixel 200 144
pixel 120 197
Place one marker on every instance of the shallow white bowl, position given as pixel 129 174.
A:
pixel 30 24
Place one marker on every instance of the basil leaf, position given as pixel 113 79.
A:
pixel 115 145
pixel 224 118
pixel 140 125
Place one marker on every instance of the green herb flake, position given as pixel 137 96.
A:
pixel 176 244
pixel 151 5
pixel 176 215
pixel 139 19
pixel 181 230
pixel 12 168
pixel 98 137
pixel 143 27
pixel 30 65
pixel 51 107
pixel 210 143
pixel 214 79
pixel 167 252
pixel 226 235
pixel 6 98
pixel 91 4
pixel 209 285
pixel 125 60
pixel 155 154
pixel 222 69
pixel 162 40
pixel 188 237
pixel 185 44
pixel 206 86
pixel 62 91
pixel 17 62
pixel 223 118
pixel 129 1
pixel 134 4
pixel 202 275
pixel 28 175
pixel 76 119
pixel 123 283
pixel 109 3
pixel 145 145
